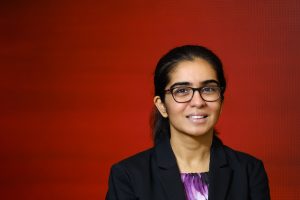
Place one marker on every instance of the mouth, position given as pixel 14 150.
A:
pixel 195 117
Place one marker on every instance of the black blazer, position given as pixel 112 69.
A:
pixel 154 175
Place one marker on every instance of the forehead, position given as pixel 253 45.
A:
pixel 194 72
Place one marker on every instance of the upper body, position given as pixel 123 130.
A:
pixel 154 175
pixel 189 87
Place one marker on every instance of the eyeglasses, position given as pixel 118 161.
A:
pixel 185 94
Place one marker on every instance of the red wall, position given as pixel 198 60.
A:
pixel 76 87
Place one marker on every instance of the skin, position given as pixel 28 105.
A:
pixel 191 137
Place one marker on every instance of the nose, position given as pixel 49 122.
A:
pixel 197 100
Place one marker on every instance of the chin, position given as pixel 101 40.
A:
pixel 199 133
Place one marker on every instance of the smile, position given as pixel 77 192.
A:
pixel 197 116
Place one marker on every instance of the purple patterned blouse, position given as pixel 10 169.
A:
pixel 196 185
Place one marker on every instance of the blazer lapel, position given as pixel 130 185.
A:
pixel 169 172
pixel 219 172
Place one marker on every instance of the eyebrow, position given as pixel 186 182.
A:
pixel 206 82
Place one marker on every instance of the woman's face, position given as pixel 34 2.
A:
pixel 196 117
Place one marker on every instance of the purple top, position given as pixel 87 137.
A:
pixel 196 185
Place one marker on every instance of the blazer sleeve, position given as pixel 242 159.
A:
pixel 258 182
pixel 119 185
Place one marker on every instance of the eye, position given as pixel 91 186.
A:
pixel 210 89
pixel 181 91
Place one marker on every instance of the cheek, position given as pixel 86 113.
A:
pixel 173 108
pixel 216 109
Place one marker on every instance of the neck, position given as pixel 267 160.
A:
pixel 192 153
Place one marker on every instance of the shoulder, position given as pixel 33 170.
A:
pixel 243 161
pixel 125 176
pixel 232 156
pixel 250 169
pixel 135 163
pixel 239 156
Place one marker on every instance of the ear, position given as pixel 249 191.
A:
pixel 160 106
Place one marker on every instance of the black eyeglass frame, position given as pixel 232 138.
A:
pixel 195 89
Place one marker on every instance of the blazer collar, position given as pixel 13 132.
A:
pixel 219 171
pixel 164 153
pixel 168 171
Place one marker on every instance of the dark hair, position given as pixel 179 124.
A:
pixel 160 125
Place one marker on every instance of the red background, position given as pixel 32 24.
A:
pixel 76 86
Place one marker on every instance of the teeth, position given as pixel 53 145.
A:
pixel 197 117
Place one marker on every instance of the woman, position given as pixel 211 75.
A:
pixel 188 160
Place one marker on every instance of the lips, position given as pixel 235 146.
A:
pixel 197 116
pixel 197 119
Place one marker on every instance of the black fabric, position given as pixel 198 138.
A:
pixel 154 175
